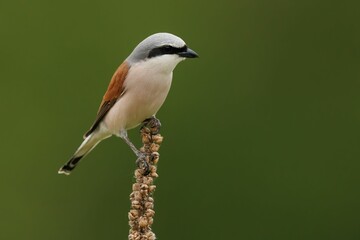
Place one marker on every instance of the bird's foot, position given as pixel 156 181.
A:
pixel 153 124
pixel 142 162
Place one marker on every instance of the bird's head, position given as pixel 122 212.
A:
pixel 164 48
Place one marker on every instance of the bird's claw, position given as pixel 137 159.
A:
pixel 153 124
pixel 142 163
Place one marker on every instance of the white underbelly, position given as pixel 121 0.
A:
pixel 144 94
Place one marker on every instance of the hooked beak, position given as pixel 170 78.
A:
pixel 188 54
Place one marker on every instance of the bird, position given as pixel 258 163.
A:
pixel 136 91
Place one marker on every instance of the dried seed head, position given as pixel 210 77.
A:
pixel 137 196
pixel 155 154
pixel 157 139
pixel 148 180
pixel 138 173
pixel 133 214
pixel 136 187
pixel 153 168
pixel 145 129
pixel 134 235
pixel 149 212
pixel 142 204
pixel 149 205
pixel 133 225
pixel 152 188
pixel 150 236
pixel 145 138
pixel 154 175
pixel 135 204
pixel 144 187
pixel 154 157
pixel 143 222
pixel 132 195
pixel 145 192
pixel 150 221
pixel 154 147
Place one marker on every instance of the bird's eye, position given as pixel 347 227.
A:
pixel 167 49
pixel 163 50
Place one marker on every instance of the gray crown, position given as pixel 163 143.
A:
pixel 156 40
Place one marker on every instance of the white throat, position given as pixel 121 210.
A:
pixel 160 64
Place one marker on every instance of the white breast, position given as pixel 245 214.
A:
pixel 146 87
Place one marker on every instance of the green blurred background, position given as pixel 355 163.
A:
pixel 261 132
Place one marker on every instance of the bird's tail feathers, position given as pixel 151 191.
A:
pixel 87 145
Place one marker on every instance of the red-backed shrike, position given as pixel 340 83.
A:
pixel 136 92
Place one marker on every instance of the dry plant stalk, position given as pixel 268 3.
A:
pixel 142 204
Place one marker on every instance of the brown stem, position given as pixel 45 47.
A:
pixel 142 204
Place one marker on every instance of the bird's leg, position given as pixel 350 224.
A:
pixel 153 124
pixel 141 157
pixel 124 136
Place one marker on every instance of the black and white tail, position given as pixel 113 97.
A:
pixel 87 145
